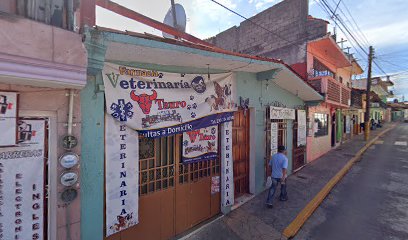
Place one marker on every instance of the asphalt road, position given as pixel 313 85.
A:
pixel 371 201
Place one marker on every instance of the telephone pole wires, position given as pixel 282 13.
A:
pixel 368 93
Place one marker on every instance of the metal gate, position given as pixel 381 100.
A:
pixel 298 153
pixel 173 196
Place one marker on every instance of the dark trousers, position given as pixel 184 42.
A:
pixel 283 194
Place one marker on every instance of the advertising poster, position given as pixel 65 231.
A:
pixel 8 118
pixel 215 184
pixel 22 186
pixel 348 124
pixel 274 138
pixel 301 131
pixel 227 170
pixel 158 104
pixel 200 144
pixel 122 176
pixel 282 113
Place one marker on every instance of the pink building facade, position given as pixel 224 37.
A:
pixel 45 66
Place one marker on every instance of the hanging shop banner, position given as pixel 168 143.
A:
pixel 274 138
pixel 348 124
pixel 227 172
pixel 22 186
pixel 201 144
pixel 282 113
pixel 159 103
pixel 121 176
pixel 301 131
pixel 8 118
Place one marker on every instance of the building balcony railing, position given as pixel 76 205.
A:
pixel 335 92
pixel 56 13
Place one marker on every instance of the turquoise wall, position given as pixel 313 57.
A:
pixel 260 97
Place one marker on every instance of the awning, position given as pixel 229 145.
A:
pixel 149 53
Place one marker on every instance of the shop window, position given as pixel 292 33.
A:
pixel 320 70
pixel 321 124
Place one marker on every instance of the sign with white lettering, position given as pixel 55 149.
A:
pixel 274 138
pixel 201 144
pixel 301 131
pixel 227 171
pixel 282 113
pixel 348 124
pixel 158 104
pixel 8 118
pixel 22 186
pixel 122 176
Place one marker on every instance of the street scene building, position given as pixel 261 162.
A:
pixel 115 134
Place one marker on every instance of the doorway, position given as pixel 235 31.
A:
pixel 333 130
pixel 240 152
pixel 173 196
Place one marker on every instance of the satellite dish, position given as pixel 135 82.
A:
pixel 180 19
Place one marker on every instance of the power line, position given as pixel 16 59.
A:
pixel 327 5
pixel 272 32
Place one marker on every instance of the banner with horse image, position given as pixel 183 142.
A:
pixel 159 104
pixel 201 144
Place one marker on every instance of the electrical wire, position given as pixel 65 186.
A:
pixel 268 30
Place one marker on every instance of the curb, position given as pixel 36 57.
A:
pixel 292 229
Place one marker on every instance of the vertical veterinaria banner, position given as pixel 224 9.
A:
pixel 227 171
pixel 158 104
pixel 22 184
pixel 201 144
pixel 121 176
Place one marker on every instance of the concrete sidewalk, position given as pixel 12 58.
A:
pixel 254 221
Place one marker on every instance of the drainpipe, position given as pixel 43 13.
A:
pixel 69 131
pixel 70 111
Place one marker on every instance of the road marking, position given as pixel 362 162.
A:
pixel 379 142
pixel 405 166
pixel 400 143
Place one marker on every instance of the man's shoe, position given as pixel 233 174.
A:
pixel 269 205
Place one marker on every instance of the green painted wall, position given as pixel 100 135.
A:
pixel 92 160
pixel 261 96
pixel 339 125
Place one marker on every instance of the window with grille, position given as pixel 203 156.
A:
pixel 321 124
pixel 156 164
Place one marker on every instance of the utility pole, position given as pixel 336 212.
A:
pixel 367 113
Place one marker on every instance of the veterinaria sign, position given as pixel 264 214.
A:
pixel 200 144
pixel 122 176
pixel 159 104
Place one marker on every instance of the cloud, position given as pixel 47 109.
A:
pixel 388 34
pixel 263 4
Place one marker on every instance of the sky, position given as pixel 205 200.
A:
pixel 382 24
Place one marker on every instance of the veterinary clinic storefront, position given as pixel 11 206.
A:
pixel 166 137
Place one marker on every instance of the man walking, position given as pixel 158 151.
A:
pixel 279 165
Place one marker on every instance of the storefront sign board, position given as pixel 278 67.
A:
pixel 200 144
pixel 22 187
pixel 282 113
pixel 159 104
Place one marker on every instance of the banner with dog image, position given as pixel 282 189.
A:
pixel 121 177
pixel 160 103
pixel 200 144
